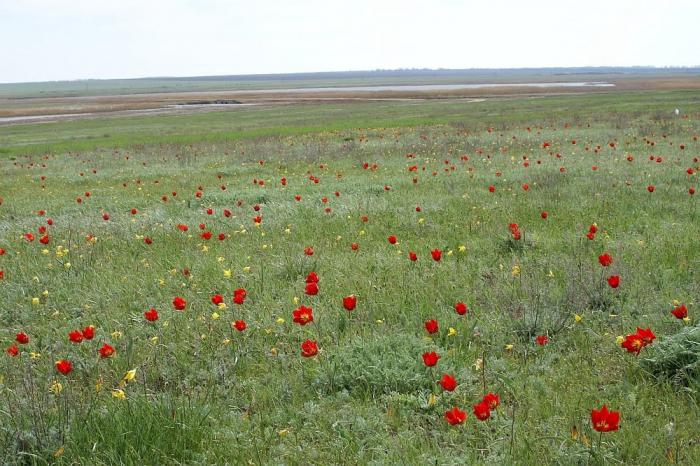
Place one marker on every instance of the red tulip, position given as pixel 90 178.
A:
pixel 455 416
pixel 448 382
pixel 431 358
pixel 412 255
pixel 349 302
pixel 22 338
pixel 604 420
pixel 311 289
pixel 303 315
pixel 75 336
pixel 392 239
pixel 151 315
pixel 106 351
pixel 614 281
pixel 482 411
pixel 542 340
pixel 680 312
pixel 239 295
pixel 437 255
pixel 460 308
pixel 179 303
pixel 64 366
pixel 431 326
pixel 89 332
pixel 12 350
pixel 605 259
pixel 492 400
pixel 309 348
pixel 240 325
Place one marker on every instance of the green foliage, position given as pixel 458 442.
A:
pixel 676 358
pixel 379 366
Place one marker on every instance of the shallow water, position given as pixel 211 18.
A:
pixel 427 87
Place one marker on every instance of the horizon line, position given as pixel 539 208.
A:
pixel 376 70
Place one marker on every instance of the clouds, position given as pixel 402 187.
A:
pixel 68 39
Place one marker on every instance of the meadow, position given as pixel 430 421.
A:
pixel 267 285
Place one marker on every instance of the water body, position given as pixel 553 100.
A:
pixel 309 90
pixel 426 87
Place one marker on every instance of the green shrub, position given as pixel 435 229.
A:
pixel 676 358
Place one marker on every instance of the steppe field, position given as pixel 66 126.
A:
pixel 195 275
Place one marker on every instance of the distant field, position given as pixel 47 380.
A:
pixel 508 204
pixel 67 100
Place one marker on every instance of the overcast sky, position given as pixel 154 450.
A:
pixel 73 39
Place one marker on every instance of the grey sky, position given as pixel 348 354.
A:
pixel 72 39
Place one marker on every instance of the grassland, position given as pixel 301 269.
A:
pixel 204 392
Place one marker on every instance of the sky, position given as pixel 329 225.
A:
pixel 45 40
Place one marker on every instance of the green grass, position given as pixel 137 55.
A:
pixel 205 393
pixel 254 122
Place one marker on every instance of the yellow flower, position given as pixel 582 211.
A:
pixel 462 248
pixel 283 432
pixel 280 320
pixel 686 320
pixel 116 334
pixel 227 273
pixel 98 385
pixel 220 259
pixel 676 302
pixel 619 340
pixel 246 269
pixel 119 394
pixel 44 251
pixel 550 274
pixel 130 375
pixel 515 271
pixel 578 318
pixel 33 355
pixel 432 399
pixel 509 347
pixel 35 301
pixel 222 306
pixel 295 300
pixel 287 230
pixel 449 252
pixel 421 221
pixel 379 321
pixel 66 265
pixel 478 364
pixel 56 387
pixel 451 332
pixel 215 315
pixel 154 340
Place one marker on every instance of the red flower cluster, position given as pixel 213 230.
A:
pixel 515 231
pixel 634 342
